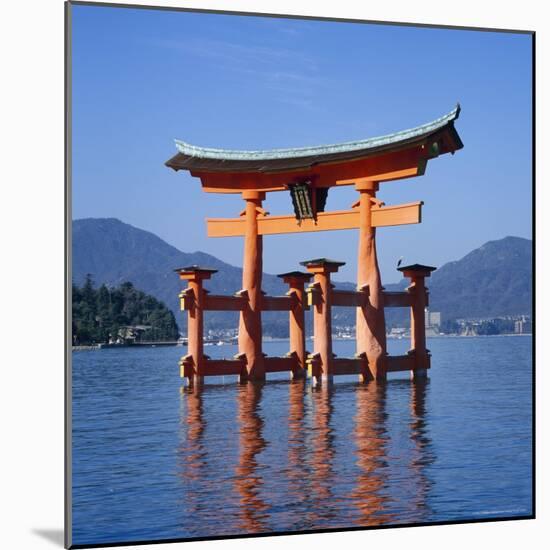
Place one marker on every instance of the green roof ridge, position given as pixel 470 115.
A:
pixel 234 154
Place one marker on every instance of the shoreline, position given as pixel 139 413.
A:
pixel 95 347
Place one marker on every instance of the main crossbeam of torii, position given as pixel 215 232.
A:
pixel 308 173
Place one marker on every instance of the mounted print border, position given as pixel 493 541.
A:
pixel 229 372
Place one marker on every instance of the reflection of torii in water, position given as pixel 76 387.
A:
pixel 191 451
pixel 370 440
pixel 371 435
pixel 321 457
pixel 297 465
pixel 422 454
pixel 252 513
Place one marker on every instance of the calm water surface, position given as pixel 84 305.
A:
pixel 151 461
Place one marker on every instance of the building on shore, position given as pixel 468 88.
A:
pixel 523 325
pixel 129 334
pixel 433 318
pixel 433 322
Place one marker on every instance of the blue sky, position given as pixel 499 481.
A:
pixel 142 78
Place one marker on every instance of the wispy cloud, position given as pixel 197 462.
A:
pixel 241 54
pixel 291 74
pixel 290 27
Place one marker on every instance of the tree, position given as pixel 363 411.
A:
pixel 103 312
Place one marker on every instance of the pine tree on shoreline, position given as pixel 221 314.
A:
pixel 106 315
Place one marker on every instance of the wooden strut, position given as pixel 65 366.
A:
pixel 371 361
pixel 322 364
pixel 195 365
pixel 419 298
pixel 381 216
pixel 296 320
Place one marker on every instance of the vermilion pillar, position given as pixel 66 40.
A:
pixel 250 324
pixel 371 323
pixel 296 281
pixel 320 298
pixel 417 273
pixel 192 300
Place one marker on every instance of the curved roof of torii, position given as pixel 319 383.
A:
pixel 192 157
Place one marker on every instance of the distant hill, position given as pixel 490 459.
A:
pixel 493 280
pixel 114 252
pixel 108 314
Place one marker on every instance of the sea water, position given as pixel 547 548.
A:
pixel 154 461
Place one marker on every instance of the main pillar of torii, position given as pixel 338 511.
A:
pixel 250 320
pixel 308 173
pixel 370 324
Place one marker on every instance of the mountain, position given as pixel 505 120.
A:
pixel 114 252
pixel 492 280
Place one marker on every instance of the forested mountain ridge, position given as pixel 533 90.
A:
pixel 106 315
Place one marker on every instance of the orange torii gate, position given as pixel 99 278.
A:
pixel 308 173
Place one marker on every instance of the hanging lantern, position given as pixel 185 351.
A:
pixel 307 200
pixel 301 201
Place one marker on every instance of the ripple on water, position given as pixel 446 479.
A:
pixel 153 462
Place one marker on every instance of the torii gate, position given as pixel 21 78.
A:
pixel 308 173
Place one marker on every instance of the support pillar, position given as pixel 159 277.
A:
pixel 296 280
pixel 320 297
pixel 371 324
pixel 417 273
pixel 250 323
pixel 192 300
